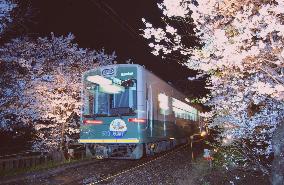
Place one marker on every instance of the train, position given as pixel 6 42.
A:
pixel 128 112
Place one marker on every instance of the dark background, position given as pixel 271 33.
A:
pixel 113 25
pixel 110 24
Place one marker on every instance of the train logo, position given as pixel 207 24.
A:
pixel 108 72
pixel 117 128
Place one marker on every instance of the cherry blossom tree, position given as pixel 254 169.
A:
pixel 241 50
pixel 42 86
pixel 6 7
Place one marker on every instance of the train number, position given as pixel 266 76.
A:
pixel 105 133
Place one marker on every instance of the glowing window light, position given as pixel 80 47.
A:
pixel 181 105
pixel 112 89
pixel 183 110
pixel 164 101
pixel 176 110
pixel 99 80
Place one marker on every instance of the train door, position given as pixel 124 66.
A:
pixel 150 114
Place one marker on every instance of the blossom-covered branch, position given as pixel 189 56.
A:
pixel 6 7
pixel 42 82
pixel 241 49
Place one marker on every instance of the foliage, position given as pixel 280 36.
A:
pixel 16 18
pixel 40 85
pixel 242 52
pixel 6 7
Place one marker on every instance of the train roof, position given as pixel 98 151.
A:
pixel 198 107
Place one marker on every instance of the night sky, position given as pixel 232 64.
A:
pixel 113 25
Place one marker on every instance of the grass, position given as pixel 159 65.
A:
pixel 41 167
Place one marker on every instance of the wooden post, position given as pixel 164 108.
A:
pixel 16 163
pixel 8 164
pixel 27 163
pixel 45 159
pixel 1 165
pixel 33 161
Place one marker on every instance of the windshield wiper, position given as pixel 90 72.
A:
pixel 117 113
pixel 121 111
pixel 94 116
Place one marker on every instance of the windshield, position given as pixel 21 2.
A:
pixel 109 97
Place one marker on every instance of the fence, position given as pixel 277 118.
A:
pixel 23 162
pixel 32 159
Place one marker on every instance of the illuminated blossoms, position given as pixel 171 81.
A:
pixel 6 7
pixel 243 53
pixel 41 86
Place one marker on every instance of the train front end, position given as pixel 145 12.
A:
pixel 111 122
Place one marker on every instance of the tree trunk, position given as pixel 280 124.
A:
pixel 278 161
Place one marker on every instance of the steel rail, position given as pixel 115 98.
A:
pixel 104 179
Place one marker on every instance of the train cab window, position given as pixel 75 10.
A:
pixel 124 103
pixel 109 98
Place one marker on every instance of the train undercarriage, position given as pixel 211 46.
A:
pixel 131 151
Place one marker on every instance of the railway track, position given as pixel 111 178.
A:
pixel 94 171
pixel 141 163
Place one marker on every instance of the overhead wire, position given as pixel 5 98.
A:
pixel 130 30
pixel 119 20
pixel 115 17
